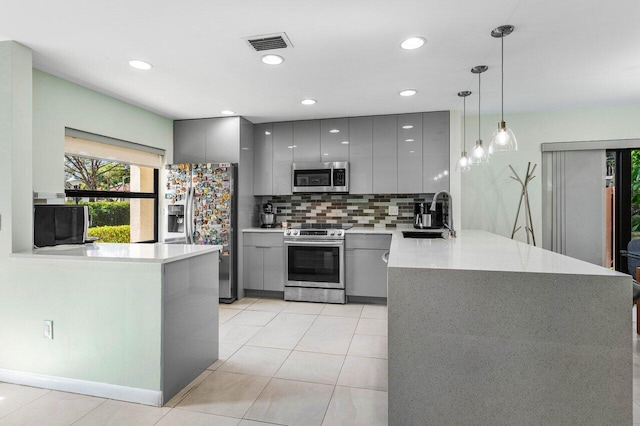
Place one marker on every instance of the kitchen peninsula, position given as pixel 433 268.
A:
pixel 134 322
pixel 486 330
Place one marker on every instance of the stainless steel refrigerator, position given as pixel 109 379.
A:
pixel 201 206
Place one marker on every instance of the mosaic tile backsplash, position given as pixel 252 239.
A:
pixel 359 210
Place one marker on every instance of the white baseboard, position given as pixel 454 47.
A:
pixel 103 390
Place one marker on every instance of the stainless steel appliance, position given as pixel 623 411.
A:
pixel 268 216
pixel 320 177
pixel 314 263
pixel 426 218
pixel 200 204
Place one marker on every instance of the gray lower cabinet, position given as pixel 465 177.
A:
pixel 263 261
pixel 366 272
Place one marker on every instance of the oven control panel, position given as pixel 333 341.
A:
pixel 314 233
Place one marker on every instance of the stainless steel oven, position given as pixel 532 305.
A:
pixel 314 265
pixel 320 177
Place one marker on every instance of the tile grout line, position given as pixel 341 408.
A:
pixel 48 391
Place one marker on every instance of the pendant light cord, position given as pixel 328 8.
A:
pixel 464 124
pixel 479 94
pixel 502 79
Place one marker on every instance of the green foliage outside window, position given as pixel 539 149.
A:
pixel 635 188
pixel 111 234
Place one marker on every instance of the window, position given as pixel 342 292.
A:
pixel 119 183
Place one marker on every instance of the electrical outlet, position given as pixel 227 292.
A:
pixel 47 329
pixel 393 210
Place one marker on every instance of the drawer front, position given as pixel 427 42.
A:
pixel 263 239
pixel 368 241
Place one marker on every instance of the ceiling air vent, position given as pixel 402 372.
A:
pixel 269 42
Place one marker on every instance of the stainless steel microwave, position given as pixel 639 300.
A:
pixel 320 177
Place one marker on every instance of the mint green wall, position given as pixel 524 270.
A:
pixel 58 103
pixel 96 307
pixel 490 197
pixel 106 320
pixel 15 149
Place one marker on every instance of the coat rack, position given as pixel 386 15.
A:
pixel 524 195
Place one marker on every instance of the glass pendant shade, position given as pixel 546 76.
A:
pixel 503 139
pixel 479 154
pixel 463 164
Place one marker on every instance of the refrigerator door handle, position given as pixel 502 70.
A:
pixel 190 203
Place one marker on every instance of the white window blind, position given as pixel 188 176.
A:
pixel 85 144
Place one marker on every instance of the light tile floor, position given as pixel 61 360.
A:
pixel 280 363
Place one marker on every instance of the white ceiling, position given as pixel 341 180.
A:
pixel 563 53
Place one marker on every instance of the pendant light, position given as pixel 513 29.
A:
pixel 463 163
pixel 503 139
pixel 479 154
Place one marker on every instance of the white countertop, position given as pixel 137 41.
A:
pixel 483 251
pixel 268 230
pixel 354 230
pixel 150 253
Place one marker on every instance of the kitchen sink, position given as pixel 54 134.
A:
pixel 423 234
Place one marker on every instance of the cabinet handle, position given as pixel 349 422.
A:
pixel 385 257
pixel 262 246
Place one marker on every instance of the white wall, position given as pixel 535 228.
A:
pixel 490 197
pixel 58 104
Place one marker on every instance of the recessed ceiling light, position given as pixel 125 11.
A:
pixel 267 133
pixel 413 43
pixel 308 101
pixel 407 126
pixel 292 146
pixel 446 172
pixel 408 92
pixel 141 65
pixel 408 140
pixel 227 112
pixel 411 152
pixel 244 148
pixel 345 142
pixel 334 131
pixel 439 175
pixel 326 153
pixel 272 59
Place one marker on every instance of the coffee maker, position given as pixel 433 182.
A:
pixel 423 218
pixel 268 216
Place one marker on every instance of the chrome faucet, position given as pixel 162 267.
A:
pixel 452 232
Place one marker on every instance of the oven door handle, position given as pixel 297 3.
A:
pixel 314 243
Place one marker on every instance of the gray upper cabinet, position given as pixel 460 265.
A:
pixel 282 157
pixel 388 154
pixel 410 153
pixel 385 154
pixel 263 159
pixel 189 141
pixel 334 139
pixel 435 155
pixel 361 155
pixel 222 136
pixel 306 141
